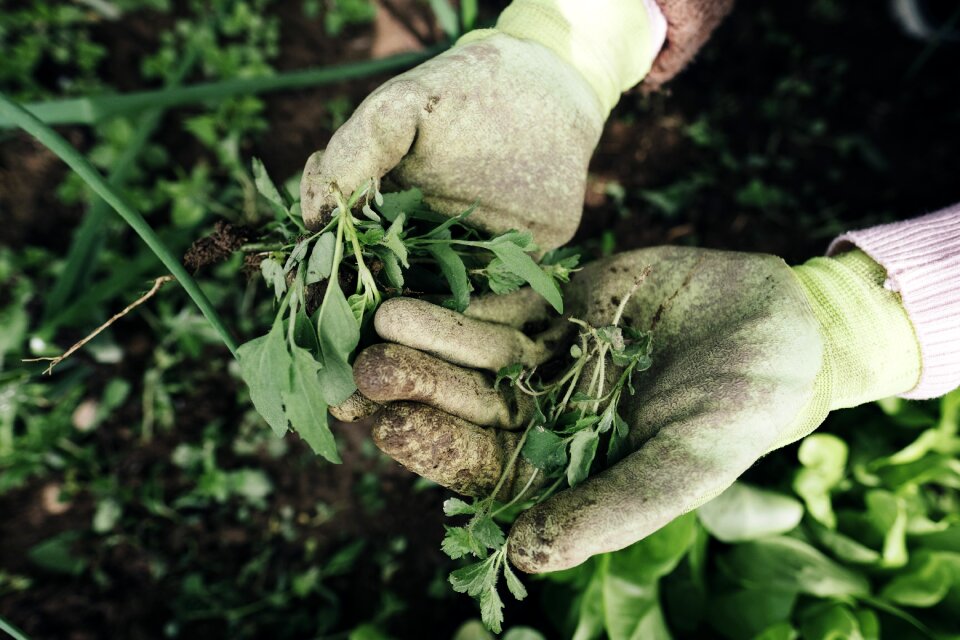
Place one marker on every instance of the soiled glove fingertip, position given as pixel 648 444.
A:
pixel 355 408
pixel 532 546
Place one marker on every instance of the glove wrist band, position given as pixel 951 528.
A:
pixel 611 43
pixel 870 346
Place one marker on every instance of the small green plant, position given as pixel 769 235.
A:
pixel 573 412
pixel 302 365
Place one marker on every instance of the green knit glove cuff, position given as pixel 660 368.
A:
pixel 612 43
pixel 870 347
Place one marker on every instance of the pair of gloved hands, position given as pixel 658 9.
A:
pixel 748 354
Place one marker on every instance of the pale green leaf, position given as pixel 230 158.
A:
pixel 305 407
pixel 265 367
pixel 744 512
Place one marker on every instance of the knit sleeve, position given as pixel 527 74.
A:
pixel 922 259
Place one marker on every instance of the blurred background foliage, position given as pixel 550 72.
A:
pixel 141 496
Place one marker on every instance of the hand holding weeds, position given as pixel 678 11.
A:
pixel 481 123
pixel 745 355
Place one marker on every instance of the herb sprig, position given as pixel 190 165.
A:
pixel 573 412
pixel 373 245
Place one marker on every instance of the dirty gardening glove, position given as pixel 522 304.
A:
pixel 508 118
pixel 748 356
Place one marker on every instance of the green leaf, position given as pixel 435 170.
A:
pixel 632 609
pixel 746 613
pixel 474 578
pixel 545 450
pixel 320 263
pixel 830 621
pixel 744 512
pixel 394 242
pixel 788 564
pixel 56 554
pixel 583 447
pixel 824 459
pixel 487 532
pixel 266 187
pixel 391 267
pixel 778 631
pixel 446 17
pixel 926 583
pixel 296 255
pixel 888 514
pixel 491 609
pixel 273 273
pixel 513 582
pixel 265 367
pixel 459 542
pixel 305 407
pixel 457 507
pixel 453 269
pixel 510 372
pixel 522 265
pixel 339 335
pixel 501 279
pixel 842 546
pixel 400 202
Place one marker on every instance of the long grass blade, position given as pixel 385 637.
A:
pixel 55 142
pixel 92 109
pixel 12 631
pixel 88 238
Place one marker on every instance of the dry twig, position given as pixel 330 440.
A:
pixel 159 282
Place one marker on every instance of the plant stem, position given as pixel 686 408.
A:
pixel 65 151
pixel 93 109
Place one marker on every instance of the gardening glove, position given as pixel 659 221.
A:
pixel 507 119
pixel 748 356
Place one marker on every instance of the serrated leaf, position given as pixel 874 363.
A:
pixel 491 609
pixel 518 262
pixel 473 578
pixel 265 368
pixel 394 242
pixel 320 263
pixel 459 542
pixel 583 448
pixel 545 450
pixel 453 269
pixel 457 507
pixel 305 408
pixel 487 532
pixel 513 582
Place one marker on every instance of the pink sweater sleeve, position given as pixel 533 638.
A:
pixel 922 259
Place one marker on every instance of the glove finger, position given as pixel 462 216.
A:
pixel 456 338
pixel 387 372
pixel 451 451
pixel 691 457
pixel 355 408
pixel 515 309
pixel 368 145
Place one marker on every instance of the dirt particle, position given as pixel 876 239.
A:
pixel 216 247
